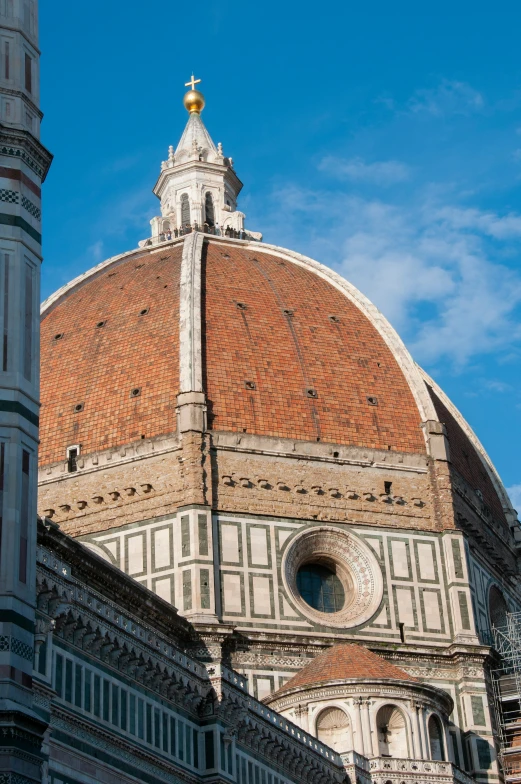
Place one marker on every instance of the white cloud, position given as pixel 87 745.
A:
pixel 514 493
pixel 489 223
pixel 95 251
pixel 431 269
pixel 495 385
pixel 355 169
pixel 449 97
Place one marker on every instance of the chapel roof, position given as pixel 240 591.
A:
pixel 344 662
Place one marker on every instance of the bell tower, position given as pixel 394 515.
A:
pixel 198 186
pixel 24 163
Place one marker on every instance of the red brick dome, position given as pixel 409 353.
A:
pixel 285 353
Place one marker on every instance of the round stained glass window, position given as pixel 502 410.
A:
pixel 320 588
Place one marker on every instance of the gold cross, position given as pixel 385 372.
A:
pixel 192 82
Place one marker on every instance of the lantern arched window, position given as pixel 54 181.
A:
pixel 185 210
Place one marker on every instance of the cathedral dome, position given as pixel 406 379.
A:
pixel 286 353
pixel 287 350
pixel 304 400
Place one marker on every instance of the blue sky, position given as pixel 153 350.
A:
pixel 381 139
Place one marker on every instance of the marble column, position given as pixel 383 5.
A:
pixel 423 735
pixel 358 740
pixel 370 737
pixel 417 740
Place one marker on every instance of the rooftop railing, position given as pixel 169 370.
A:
pixel 419 770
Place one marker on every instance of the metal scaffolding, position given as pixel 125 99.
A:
pixel 506 681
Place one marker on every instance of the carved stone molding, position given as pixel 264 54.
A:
pixel 354 563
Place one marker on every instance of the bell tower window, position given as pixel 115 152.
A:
pixel 7 60
pixel 28 73
pixel 209 210
pixel 185 210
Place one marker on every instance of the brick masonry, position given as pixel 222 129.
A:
pixel 286 331
pixel 98 367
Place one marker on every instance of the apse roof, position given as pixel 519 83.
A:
pixel 345 662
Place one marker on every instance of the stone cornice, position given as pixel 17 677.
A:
pixel 269 446
pixel 14 28
pixel 25 99
pixel 348 688
pixel 86 623
pixel 165 174
pixel 295 653
pixel 115 456
pixel 23 145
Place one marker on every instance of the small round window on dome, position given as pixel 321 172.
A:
pixel 100 324
pixel 144 311
pixel 58 336
pixel 135 392
pixel 321 588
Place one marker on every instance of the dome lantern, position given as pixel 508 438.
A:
pixel 198 187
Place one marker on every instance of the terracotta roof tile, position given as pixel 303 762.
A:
pixel 312 374
pixel 284 340
pixel 99 366
pixel 345 662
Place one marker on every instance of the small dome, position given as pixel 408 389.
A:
pixel 342 663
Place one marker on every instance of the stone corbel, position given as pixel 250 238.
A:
pixel 437 442
pixel 191 412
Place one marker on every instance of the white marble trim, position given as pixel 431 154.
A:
pixel 190 349
pixel 478 446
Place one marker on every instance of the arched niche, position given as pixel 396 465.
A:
pixel 436 744
pixel 333 727
pixel 392 732
pixel 497 608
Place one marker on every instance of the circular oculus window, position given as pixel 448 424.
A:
pixel 332 576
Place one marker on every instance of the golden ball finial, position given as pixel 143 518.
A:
pixel 193 100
